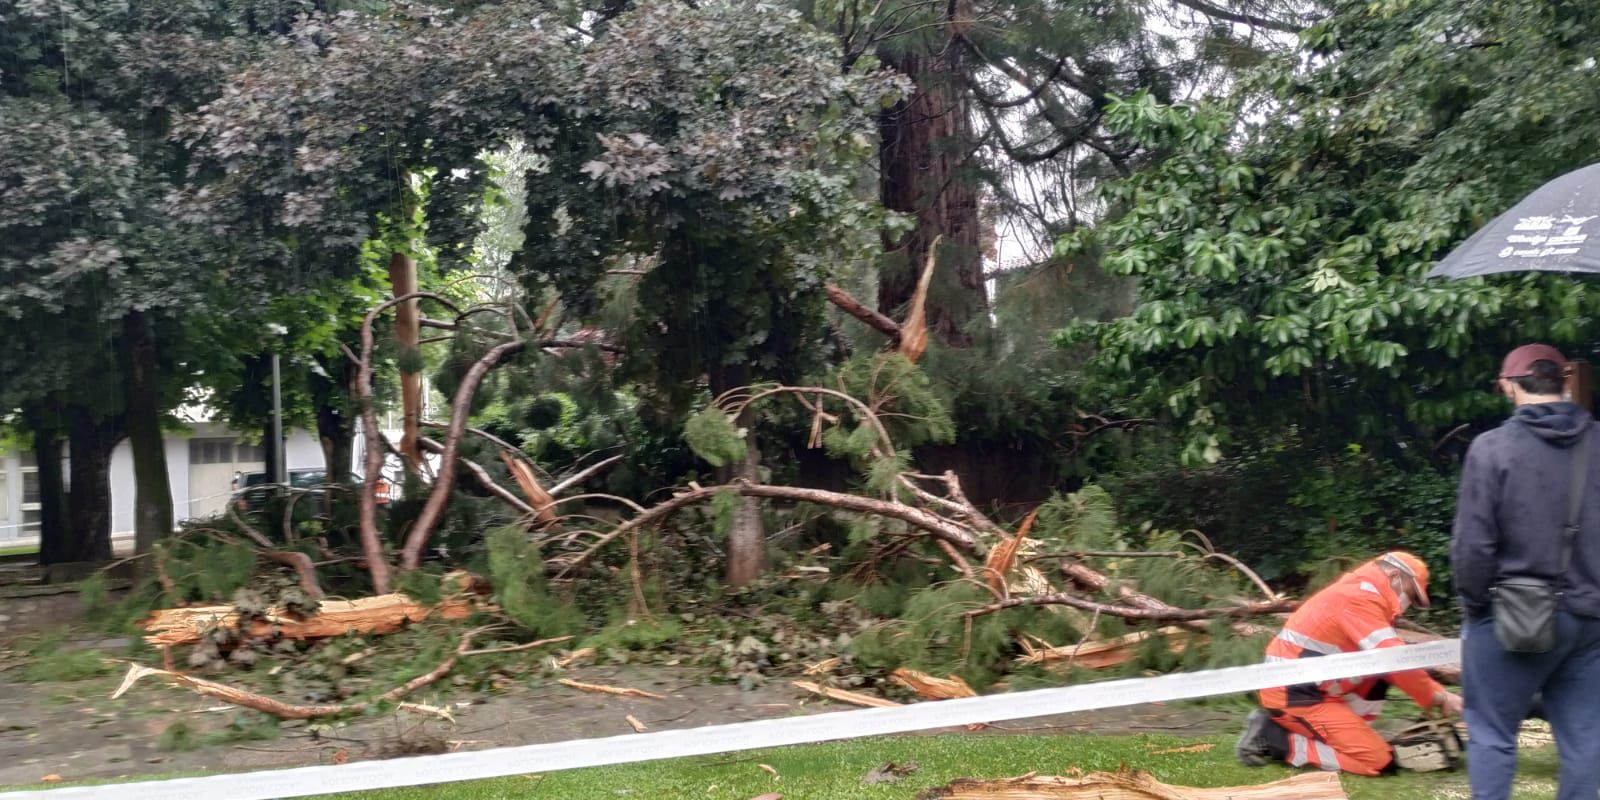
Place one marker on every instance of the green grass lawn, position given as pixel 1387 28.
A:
pixel 833 771
pixel 19 550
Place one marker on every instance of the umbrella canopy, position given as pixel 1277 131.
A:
pixel 1555 229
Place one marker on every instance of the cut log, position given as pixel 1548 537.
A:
pixel 385 613
pixel 1135 786
pixel 928 687
pixel 1108 653
pixel 855 698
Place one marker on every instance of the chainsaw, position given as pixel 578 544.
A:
pixel 1428 745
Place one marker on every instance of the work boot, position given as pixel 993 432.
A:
pixel 1262 742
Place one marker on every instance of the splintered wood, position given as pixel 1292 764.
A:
pixel 385 613
pixel 843 696
pixel 930 688
pixel 1109 653
pixel 1135 786
pixel 619 691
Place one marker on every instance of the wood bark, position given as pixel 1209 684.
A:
pixel 460 408
pixel 152 502
pixel 1135 786
pixel 747 536
pixel 927 142
pixel 90 442
pixel 408 331
pixel 381 614
pixel 56 541
pixel 860 311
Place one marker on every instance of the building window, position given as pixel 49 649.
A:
pixel 211 451
pixel 31 514
pixel 248 453
pixel 5 502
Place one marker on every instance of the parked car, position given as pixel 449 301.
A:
pixel 252 490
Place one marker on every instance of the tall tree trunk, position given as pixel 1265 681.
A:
pixel 152 501
pixel 55 532
pixel 408 332
pixel 89 539
pixel 747 536
pixel 927 170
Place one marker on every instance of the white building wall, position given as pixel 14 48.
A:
pixel 302 450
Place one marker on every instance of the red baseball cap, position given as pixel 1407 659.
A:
pixel 1519 362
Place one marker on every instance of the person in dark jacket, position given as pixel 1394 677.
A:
pixel 1510 513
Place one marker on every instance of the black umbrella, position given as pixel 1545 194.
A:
pixel 1555 229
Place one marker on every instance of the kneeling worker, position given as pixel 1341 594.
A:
pixel 1329 725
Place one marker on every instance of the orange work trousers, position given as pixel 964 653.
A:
pixel 1337 735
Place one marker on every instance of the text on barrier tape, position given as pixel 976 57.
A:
pixel 761 734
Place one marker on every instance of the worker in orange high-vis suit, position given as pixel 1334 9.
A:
pixel 1329 725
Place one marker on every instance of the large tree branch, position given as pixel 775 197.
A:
pixel 483 478
pixel 1218 12
pixel 959 537
pixel 460 408
pixel 870 316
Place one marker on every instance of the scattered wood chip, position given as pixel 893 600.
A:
pixel 354 657
pixel 575 656
pixel 843 696
pixel 889 772
pixel 51 778
pixel 825 665
pixel 1134 786
pixel 1203 747
pixel 767 768
pixel 620 691
pixel 930 688
pixel 633 722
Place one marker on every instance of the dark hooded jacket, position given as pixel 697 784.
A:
pixel 1512 507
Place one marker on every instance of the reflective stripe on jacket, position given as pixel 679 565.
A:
pixel 1357 612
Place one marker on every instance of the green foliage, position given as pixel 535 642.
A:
pixel 933 636
pixel 517 573
pixel 49 659
pixel 178 737
pixel 636 634
pixel 1280 247
pixel 714 437
pixel 1298 516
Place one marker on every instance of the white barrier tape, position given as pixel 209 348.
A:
pixel 762 734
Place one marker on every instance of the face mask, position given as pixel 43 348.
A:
pixel 1405 601
pixel 1398 584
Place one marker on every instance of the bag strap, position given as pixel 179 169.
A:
pixel 1580 478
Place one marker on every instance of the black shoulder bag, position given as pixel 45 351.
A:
pixel 1525 608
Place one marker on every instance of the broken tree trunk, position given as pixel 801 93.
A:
pixel 1135 786
pixel 382 614
pixel 542 502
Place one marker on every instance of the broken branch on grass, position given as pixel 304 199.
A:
pixel 855 698
pixel 517 648
pixel 282 710
pixel 620 691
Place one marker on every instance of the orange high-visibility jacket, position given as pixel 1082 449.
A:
pixel 1357 612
